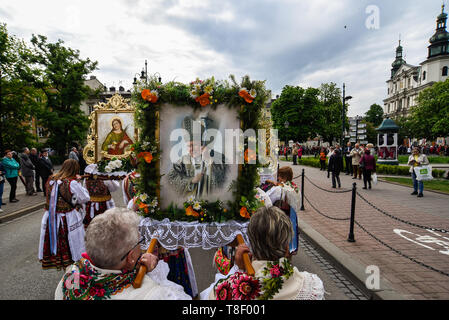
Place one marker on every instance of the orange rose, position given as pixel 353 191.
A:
pixel 191 212
pixel 250 155
pixel 146 155
pixel 153 98
pixel 203 99
pixel 145 94
pixel 245 95
pixel 244 213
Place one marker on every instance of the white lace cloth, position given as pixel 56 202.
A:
pixel 174 234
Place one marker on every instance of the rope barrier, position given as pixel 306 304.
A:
pixel 400 253
pixel 330 191
pixel 399 219
pixel 318 211
pixel 369 233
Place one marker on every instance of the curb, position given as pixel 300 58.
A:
pixel 348 265
pixel 20 213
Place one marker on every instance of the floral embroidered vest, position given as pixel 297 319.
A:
pixel 98 191
pixel 63 203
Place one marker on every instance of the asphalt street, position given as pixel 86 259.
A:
pixel 21 276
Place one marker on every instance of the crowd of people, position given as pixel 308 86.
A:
pixel 436 150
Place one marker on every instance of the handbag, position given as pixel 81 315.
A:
pixel 423 173
pixel 374 177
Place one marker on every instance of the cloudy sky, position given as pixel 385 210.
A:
pixel 285 42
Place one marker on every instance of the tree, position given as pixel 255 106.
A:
pixel 331 112
pixel 62 78
pixel 301 108
pixel 19 100
pixel 375 115
pixel 429 118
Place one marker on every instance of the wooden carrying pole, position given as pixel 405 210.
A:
pixel 143 270
pixel 248 266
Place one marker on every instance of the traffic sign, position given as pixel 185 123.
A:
pixel 361 131
pixel 362 125
pixel 352 140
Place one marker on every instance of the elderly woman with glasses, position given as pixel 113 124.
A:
pixel 269 232
pixel 110 264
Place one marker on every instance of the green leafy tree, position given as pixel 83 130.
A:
pixel 19 99
pixel 429 118
pixel 375 115
pixel 301 108
pixel 331 112
pixel 62 77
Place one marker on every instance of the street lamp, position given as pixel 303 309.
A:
pixel 143 74
pixel 343 109
pixel 286 125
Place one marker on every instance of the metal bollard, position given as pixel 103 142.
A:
pixel 351 227
pixel 302 191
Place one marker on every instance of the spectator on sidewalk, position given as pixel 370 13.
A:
pixel 82 162
pixel 335 166
pixel 2 184
pixel 27 168
pixel 415 160
pixel 323 159
pixel 368 164
pixel 348 159
pixel 295 154
pixel 34 157
pixel 300 152
pixel 11 167
pixel 356 155
pixel 74 155
pixel 269 233
pixel 45 168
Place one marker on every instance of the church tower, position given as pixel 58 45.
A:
pixel 439 43
pixel 399 60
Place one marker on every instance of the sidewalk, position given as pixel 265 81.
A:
pixel 26 203
pixel 400 276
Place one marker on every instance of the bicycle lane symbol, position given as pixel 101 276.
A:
pixel 425 240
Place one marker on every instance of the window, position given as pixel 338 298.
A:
pixel 91 109
pixel 40 132
pixel 445 72
pixel 424 75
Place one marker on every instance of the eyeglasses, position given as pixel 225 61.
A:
pixel 126 254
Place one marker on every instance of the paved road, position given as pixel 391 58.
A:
pixel 393 245
pixel 21 276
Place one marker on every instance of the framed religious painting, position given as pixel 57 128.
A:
pixel 200 161
pixel 112 131
pixel 198 151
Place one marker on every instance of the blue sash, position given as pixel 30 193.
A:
pixel 293 246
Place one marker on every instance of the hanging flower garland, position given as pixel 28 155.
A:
pixel 202 91
pixel 151 96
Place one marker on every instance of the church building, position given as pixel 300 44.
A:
pixel 407 81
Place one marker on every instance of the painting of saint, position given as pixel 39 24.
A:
pixel 196 173
pixel 117 139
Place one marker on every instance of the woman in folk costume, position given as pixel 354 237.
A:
pixel 100 195
pixel 179 260
pixel 62 232
pixel 285 194
pixel 269 233
pixel 111 262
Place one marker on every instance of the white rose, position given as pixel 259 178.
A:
pixel 143 197
pixel 197 206
pixel 118 163
pixel 108 169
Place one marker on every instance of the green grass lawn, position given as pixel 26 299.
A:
pixel 437 184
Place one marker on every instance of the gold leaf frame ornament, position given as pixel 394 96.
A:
pixel 115 105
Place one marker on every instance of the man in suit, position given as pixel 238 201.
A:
pixel 27 168
pixel 34 157
pixel 45 169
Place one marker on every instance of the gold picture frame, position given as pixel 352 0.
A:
pixel 116 110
